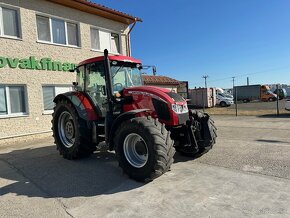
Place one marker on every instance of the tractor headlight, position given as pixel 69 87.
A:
pixel 180 109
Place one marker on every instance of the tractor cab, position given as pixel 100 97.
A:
pixel 91 79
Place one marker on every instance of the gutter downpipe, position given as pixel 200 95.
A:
pixel 128 38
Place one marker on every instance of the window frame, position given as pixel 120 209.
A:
pixel 8 101
pixel 2 34
pixel 108 31
pixel 54 86
pixel 65 30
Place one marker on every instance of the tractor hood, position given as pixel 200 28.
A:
pixel 158 93
pixel 169 107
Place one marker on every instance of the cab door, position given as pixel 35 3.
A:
pixel 95 86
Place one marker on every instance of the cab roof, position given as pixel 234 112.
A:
pixel 111 58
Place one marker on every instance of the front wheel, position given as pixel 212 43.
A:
pixel 143 148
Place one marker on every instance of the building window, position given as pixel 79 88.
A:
pixel 49 92
pixel 57 31
pixel 101 40
pixel 12 100
pixel 9 22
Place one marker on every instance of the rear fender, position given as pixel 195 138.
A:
pixel 81 103
pixel 121 118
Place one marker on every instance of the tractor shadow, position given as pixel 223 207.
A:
pixel 178 157
pixel 41 172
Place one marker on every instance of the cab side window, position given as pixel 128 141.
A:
pixel 95 85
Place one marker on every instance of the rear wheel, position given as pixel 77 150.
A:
pixel 144 148
pixel 271 99
pixel 223 104
pixel 71 134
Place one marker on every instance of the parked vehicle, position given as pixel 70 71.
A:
pixel 219 90
pixel 224 100
pixel 143 124
pixel 254 92
pixel 281 93
pixel 287 104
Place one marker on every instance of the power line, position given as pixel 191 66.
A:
pixel 246 74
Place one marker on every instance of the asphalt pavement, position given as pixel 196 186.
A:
pixel 247 173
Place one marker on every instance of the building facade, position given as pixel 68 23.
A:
pixel 161 81
pixel 41 41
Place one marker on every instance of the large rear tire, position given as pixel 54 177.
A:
pixel 143 148
pixel 72 136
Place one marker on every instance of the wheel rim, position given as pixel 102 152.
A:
pixel 135 150
pixel 66 129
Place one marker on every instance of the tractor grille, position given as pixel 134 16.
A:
pixel 162 109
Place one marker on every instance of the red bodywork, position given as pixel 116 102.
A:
pixel 111 58
pixel 87 105
pixel 142 98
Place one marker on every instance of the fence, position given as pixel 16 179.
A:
pixel 253 108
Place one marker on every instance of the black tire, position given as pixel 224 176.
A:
pixel 77 143
pixel 272 99
pixel 156 141
pixel 206 145
pixel 223 104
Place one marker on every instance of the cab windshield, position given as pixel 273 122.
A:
pixel 125 75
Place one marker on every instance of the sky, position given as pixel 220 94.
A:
pixel 187 39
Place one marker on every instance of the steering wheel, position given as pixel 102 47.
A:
pixel 118 86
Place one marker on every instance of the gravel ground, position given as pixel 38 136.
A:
pixel 259 145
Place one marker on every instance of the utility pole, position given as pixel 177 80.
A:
pixel 205 85
pixel 205 77
pixel 235 94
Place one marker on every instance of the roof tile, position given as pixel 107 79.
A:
pixel 159 80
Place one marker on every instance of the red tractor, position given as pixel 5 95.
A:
pixel 143 124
